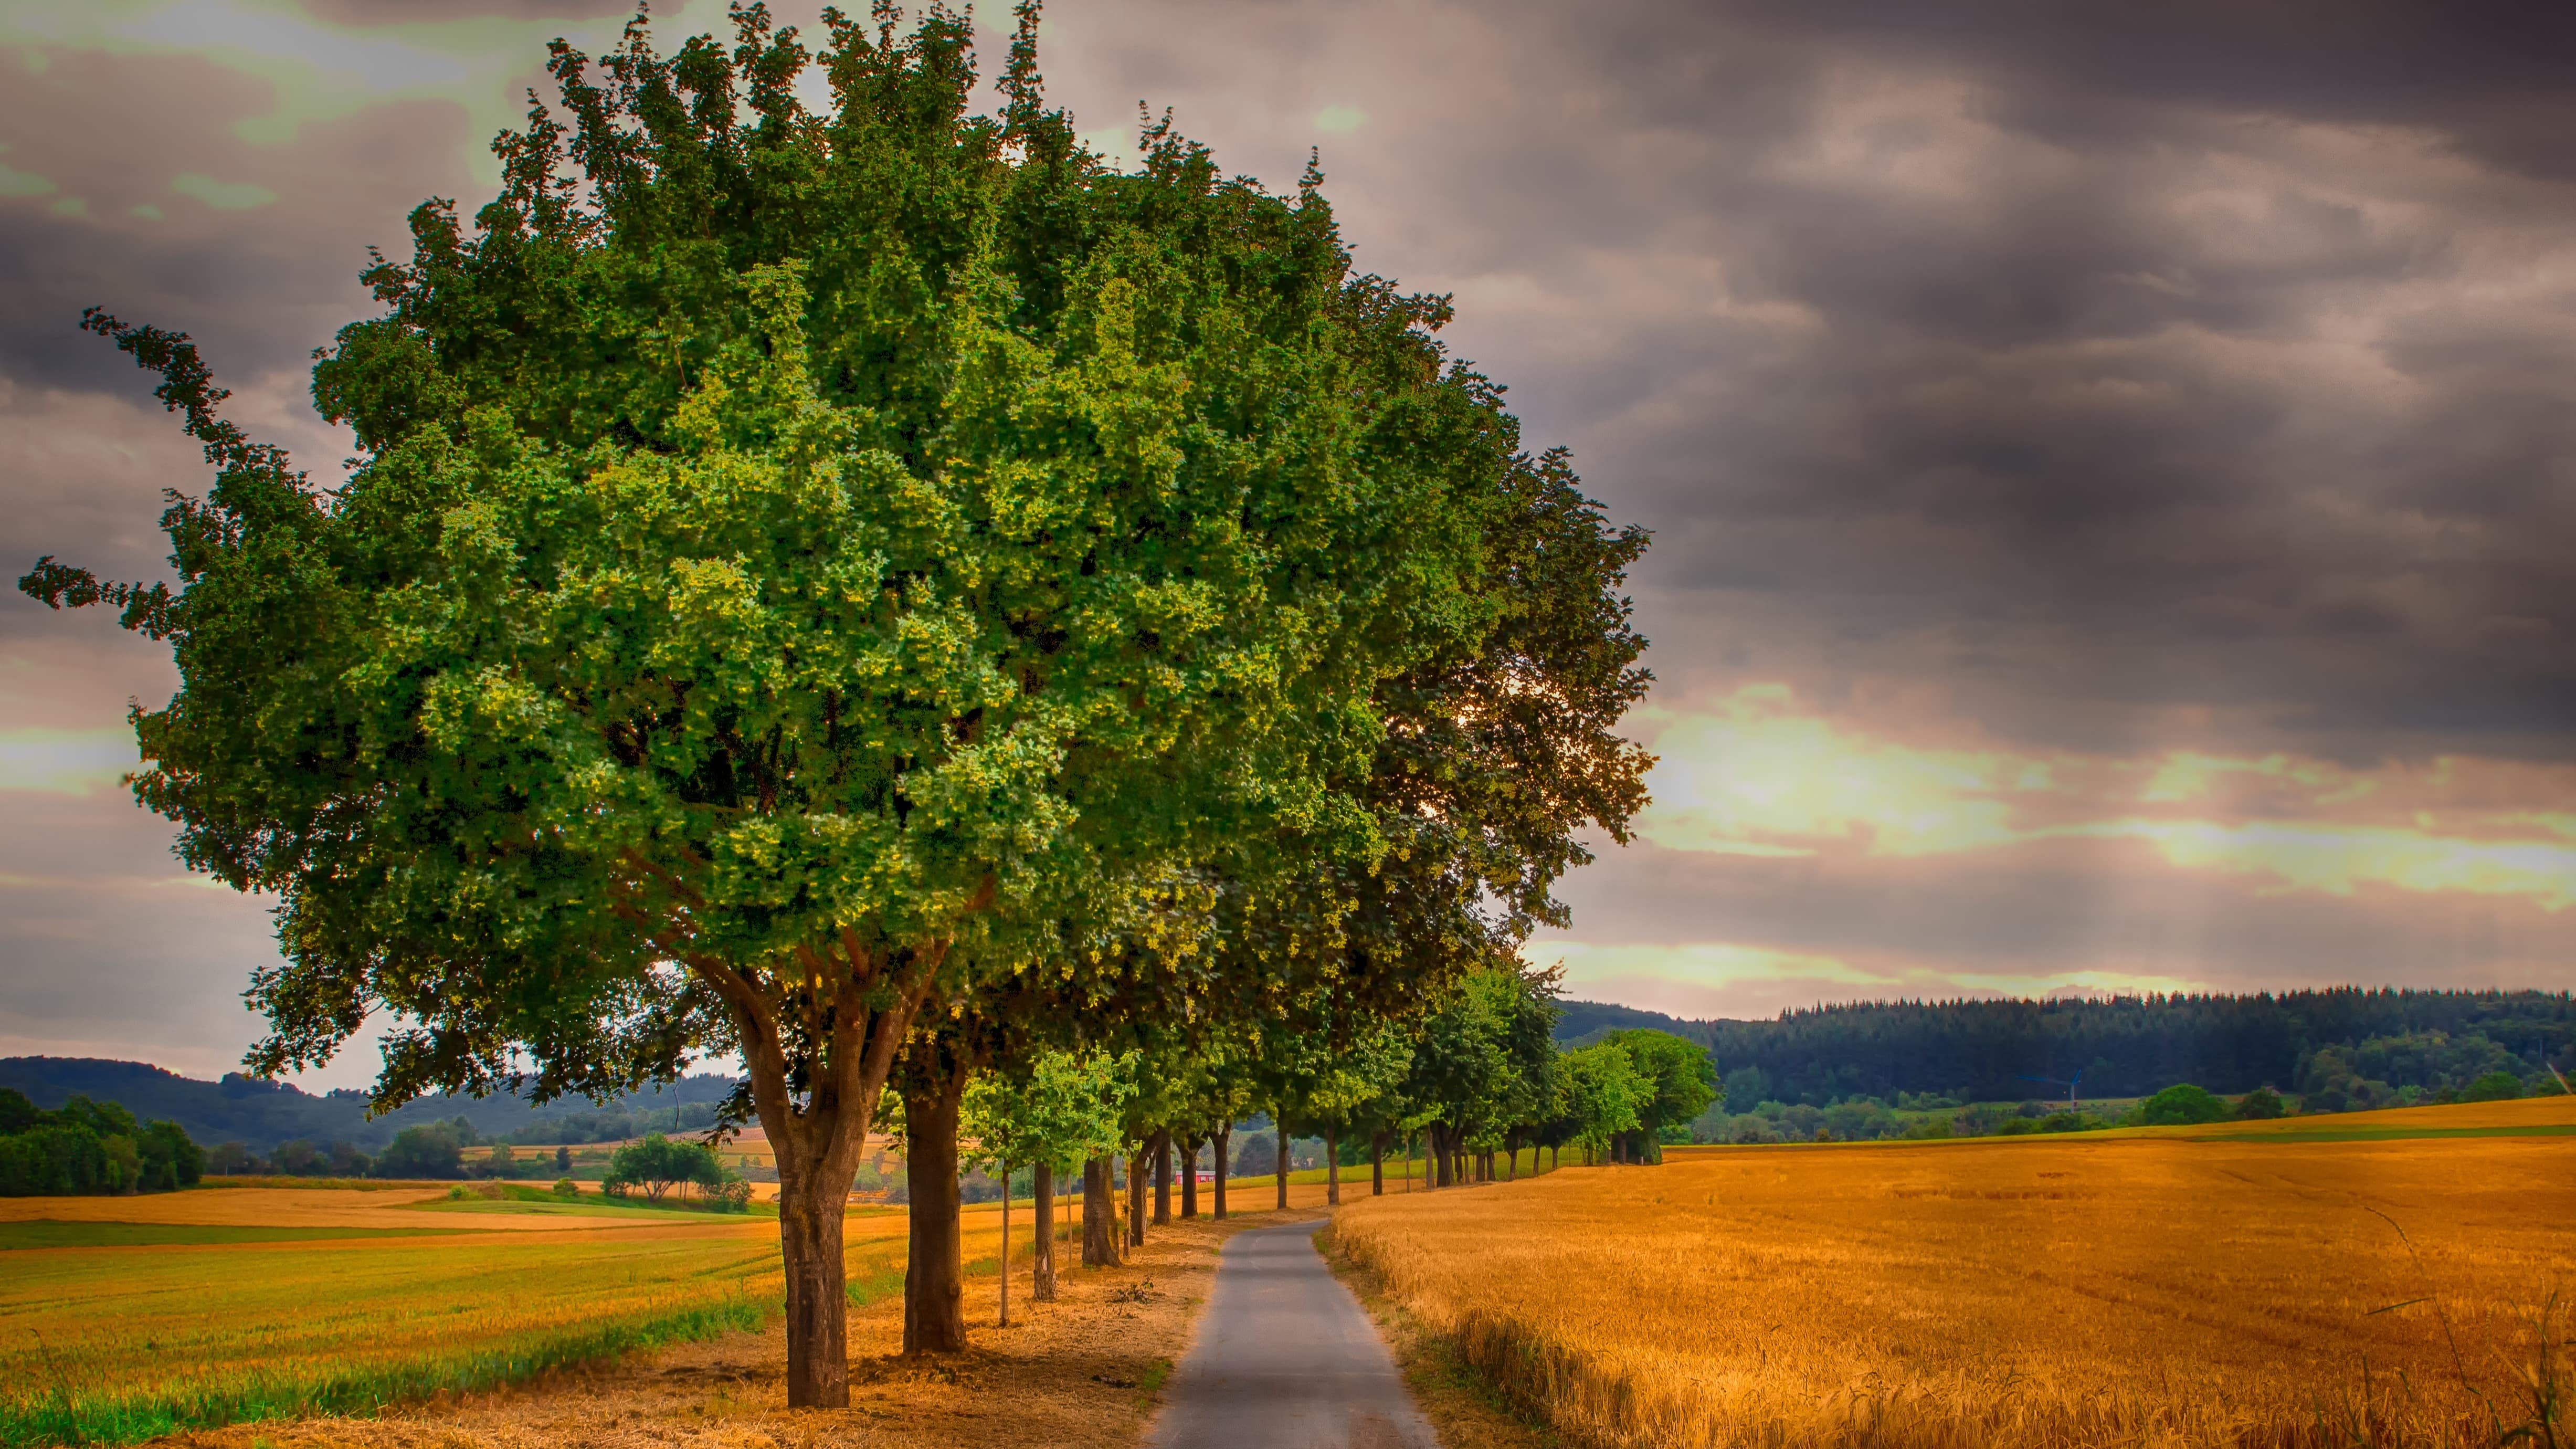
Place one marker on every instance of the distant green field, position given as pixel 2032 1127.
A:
pixel 48 1233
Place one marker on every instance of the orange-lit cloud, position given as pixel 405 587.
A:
pixel 1753 774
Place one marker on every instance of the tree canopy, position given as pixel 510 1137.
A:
pixel 85 1147
pixel 867 583
pixel 1060 1109
pixel 1680 1080
pixel 657 1164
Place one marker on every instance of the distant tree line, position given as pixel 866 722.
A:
pixel 2337 1049
pixel 87 1147
pixel 264 1116
pixel 434 1150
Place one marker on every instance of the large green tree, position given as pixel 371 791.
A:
pixel 794 560
pixel 1680 1082
pixel 1484 1063
pixel 1598 1094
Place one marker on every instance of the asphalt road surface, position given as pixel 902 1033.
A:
pixel 1285 1359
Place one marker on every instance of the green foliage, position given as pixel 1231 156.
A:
pixel 2182 1105
pixel 1483 1063
pixel 657 1164
pixel 87 1148
pixel 2493 1087
pixel 1061 1109
pixel 430 1151
pixel 860 539
pixel 2360 1046
pixel 1681 1079
pixel 567 1188
pixel 299 1158
pixel 2053 1122
pixel 2260 1105
pixel 843 583
pixel 1600 1093
pixel 1333 1069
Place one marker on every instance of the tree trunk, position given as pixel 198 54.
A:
pixel 1042 1260
pixel 1099 1216
pixel 934 1278
pixel 1224 1165
pixel 1551 1156
pixel 1279 1126
pixel 1190 1179
pixel 1005 1319
pixel 809 1240
pixel 1332 1169
pixel 1163 1178
pixel 1136 1196
pixel 1377 1164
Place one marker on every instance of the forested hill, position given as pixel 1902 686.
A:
pixel 2347 1039
pixel 260 1115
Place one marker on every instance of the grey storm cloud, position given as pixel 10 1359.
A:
pixel 2092 358
pixel 373 13
pixel 2094 361
pixel 183 223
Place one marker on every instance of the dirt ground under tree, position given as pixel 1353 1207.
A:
pixel 1085 1370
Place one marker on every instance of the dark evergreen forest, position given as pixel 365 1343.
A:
pixel 2346 1047
pixel 2335 1050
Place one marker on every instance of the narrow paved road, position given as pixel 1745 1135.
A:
pixel 1285 1359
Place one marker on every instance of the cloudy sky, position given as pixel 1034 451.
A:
pixel 2113 469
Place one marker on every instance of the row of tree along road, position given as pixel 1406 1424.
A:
pixel 881 592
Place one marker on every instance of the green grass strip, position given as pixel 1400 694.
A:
pixel 530 1200
pixel 68 1418
pixel 2389 1134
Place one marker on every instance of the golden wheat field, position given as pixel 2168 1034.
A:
pixel 2232 1287
pixel 151 1316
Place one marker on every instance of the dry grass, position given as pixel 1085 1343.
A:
pixel 115 1344
pixel 307 1207
pixel 1082 1371
pixel 2237 1289
pixel 1462 1404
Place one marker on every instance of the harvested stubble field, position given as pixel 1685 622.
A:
pixel 1083 1372
pixel 2232 1287
pixel 122 1318
pixel 126 1318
